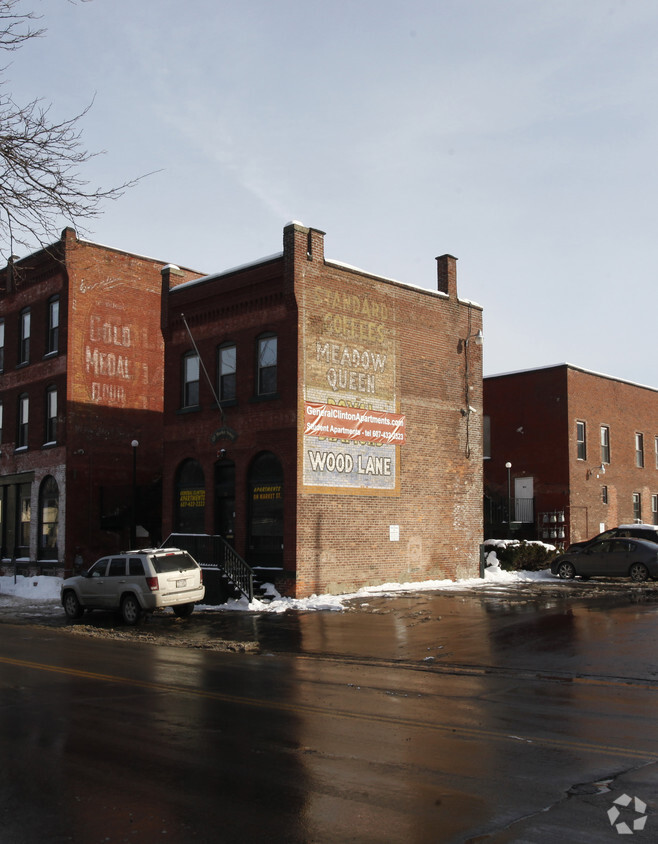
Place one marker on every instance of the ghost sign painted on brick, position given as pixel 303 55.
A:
pixel 352 428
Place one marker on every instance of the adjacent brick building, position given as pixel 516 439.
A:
pixel 330 426
pixel 81 376
pixel 583 449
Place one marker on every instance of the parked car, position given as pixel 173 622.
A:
pixel 648 532
pixel 617 557
pixel 136 582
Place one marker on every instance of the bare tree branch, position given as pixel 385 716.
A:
pixel 40 158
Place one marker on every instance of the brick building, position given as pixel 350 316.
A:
pixel 337 438
pixel 583 449
pixel 81 375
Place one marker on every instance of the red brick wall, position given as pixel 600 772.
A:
pixel 528 412
pixel 434 503
pixel 108 373
pixel 533 426
pixel 626 409
pixel 115 387
pixel 232 308
pixel 337 538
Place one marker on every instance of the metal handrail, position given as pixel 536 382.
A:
pixel 215 551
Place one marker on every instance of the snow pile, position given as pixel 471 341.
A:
pixel 44 589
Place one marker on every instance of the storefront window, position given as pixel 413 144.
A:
pixel 190 498
pixel 48 517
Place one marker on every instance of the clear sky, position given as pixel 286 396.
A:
pixel 520 136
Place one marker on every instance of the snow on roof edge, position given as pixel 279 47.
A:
pixel 572 366
pixel 235 269
pixel 439 293
pixel 128 252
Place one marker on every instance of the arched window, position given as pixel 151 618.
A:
pixel 48 518
pixel 265 545
pixel 190 493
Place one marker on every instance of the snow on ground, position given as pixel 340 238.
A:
pixel 44 590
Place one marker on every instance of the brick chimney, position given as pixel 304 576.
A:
pixel 446 266
pixel 171 277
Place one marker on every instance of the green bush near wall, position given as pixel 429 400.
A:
pixel 522 555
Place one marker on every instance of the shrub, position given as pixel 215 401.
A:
pixel 515 555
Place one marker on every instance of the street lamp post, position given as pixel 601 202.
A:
pixel 508 466
pixel 133 508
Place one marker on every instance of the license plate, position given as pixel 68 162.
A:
pixel 180 584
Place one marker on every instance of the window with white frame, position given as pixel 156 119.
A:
pixel 639 450
pixel 605 444
pixel 23 420
pixel 51 415
pixel 25 321
pixel 267 364
pixel 52 340
pixel 581 445
pixel 191 380
pixel 637 507
pixel 2 345
pixel 227 372
pixel 654 509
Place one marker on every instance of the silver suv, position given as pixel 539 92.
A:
pixel 136 582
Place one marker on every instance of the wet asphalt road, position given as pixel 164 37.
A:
pixel 514 713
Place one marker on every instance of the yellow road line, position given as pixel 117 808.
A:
pixel 311 709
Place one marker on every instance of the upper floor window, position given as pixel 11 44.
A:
pixel 23 420
pixel 581 446
pixel 24 337
pixel 639 450
pixel 267 364
pixel 227 372
pixel 2 345
pixel 51 415
pixel 655 441
pixel 191 380
pixel 605 444
pixel 604 494
pixel 52 341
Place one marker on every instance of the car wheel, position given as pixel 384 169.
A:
pixel 131 611
pixel 72 607
pixel 183 610
pixel 639 572
pixel 566 570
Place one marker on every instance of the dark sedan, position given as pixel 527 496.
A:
pixel 634 558
pixel 635 531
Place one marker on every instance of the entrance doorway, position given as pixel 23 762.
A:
pixel 265 489
pixel 225 500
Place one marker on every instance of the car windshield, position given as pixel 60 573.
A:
pixel 176 561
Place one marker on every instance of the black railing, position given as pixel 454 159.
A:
pixel 215 552
pixel 504 511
